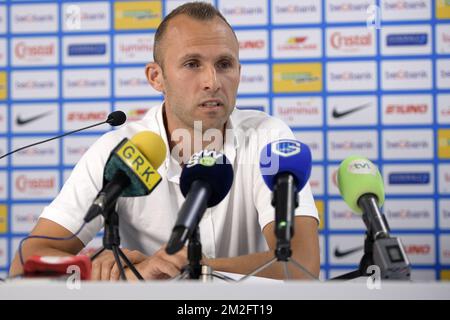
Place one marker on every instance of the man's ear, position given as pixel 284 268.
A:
pixel 154 76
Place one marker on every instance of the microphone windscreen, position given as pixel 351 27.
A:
pixel 211 167
pixel 139 158
pixel 286 156
pixel 358 176
pixel 116 118
pixel 152 146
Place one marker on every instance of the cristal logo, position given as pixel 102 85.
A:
pixel 405 75
pixel 407 108
pixel 23 183
pixel 298 77
pixel 86 116
pixel 445 38
pixel 445 112
pixel 252 44
pixel 353 42
pixel 296 9
pixel 349 7
pixel 241 11
pixel 404 5
pixel 23 51
pixel 418 250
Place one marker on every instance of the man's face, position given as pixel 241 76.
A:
pixel 200 72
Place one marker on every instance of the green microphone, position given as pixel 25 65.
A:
pixel 361 186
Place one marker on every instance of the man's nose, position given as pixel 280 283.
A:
pixel 210 81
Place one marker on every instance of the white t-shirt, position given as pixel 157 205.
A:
pixel 232 228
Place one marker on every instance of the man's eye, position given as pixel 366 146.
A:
pixel 191 64
pixel 225 64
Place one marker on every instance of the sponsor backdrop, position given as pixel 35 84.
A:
pixel 348 76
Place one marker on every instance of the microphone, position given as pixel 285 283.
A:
pixel 130 171
pixel 285 167
pixel 115 118
pixel 204 182
pixel 361 186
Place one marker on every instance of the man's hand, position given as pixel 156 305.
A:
pixel 104 267
pixel 160 266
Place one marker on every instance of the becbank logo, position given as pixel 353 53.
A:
pixel 242 11
pixel 33 18
pixel 352 145
pixel 406 75
pixel 351 76
pixel 400 5
pixel 87 49
pixel 444 143
pixel 86 83
pixel 406 214
pixel 418 39
pixel 349 7
pixel 137 15
pixel 405 178
pixel 295 8
pixel 34 84
pixel 297 77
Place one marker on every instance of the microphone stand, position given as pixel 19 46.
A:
pixel 284 227
pixel 194 269
pixel 111 241
pixel 382 250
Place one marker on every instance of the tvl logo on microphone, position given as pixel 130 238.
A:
pixel 286 148
pixel 206 158
pixel 135 160
pixel 361 166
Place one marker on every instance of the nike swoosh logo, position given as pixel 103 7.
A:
pixel 337 114
pixel 340 254
pixel 21 121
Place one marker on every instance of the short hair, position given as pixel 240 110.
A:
pixel 201 11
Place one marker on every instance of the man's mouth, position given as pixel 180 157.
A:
pixel 211 104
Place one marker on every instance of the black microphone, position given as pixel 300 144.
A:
pixel 115 118
pixel 204 182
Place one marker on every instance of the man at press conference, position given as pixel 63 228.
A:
pixel 196 68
